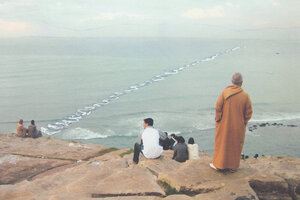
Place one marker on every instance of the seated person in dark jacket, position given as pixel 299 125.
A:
pixel 32 130
pixel 164 141
pixel 181 153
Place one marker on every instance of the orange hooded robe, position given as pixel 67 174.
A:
pixel 233 111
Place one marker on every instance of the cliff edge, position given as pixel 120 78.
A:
pixel 54 169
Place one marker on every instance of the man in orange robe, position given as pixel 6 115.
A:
pixel 233 111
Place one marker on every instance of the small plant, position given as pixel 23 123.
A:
pixel 169 190
pixel 101 153
pixel 126 153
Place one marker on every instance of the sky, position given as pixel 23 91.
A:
pixel 262 19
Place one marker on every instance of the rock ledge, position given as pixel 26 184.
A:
pixel 49 168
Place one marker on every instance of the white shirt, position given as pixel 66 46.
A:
pixel 150 138
pixel 193 151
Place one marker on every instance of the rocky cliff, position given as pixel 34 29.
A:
pixel 49 168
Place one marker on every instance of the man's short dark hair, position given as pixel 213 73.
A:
pixel 149 121
pixel 32 122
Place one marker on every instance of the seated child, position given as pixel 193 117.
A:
pixel 193 149
pixel 181 150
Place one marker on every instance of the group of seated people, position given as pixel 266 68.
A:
pixel 31 131
pixel 152 142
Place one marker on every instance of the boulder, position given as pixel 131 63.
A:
pixel 196 177
pixel 269 187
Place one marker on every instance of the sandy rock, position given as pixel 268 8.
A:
pixel 15 168
pixel 196 177
pixel 9 192
pixel 160 165
pixel 237 189
pixel 134 198
pixel 270 187
pixel 286 168
pixel 83 171
pixel 178 197
pixel 133 180
pixel 47 147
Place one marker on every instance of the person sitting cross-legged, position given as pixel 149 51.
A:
pixel 181 150
pixel 149 142
pixel 33 131
pixel 21 130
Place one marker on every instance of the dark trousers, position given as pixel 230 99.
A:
pixel 136 152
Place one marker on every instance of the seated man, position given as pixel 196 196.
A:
pixel 32 130
pixel 21 130
pixel 149 144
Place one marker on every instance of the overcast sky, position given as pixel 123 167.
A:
pixel 275 19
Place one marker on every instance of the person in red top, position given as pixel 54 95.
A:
pixel 21 130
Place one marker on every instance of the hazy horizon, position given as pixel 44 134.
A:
pixel 232 19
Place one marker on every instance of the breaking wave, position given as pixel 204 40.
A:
pixel 82 134
pixel 64 123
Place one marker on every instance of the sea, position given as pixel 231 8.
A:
pixel 99 90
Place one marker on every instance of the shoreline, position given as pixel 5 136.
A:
pixel 264 140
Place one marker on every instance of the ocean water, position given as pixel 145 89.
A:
pixel 100 90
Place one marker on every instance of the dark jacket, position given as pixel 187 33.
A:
pixel 181 153
pixel 33 132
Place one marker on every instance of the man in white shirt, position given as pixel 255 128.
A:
pixel 149 144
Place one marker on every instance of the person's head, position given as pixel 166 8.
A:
pixel 32 122
pixel 237 79
pixel 148 122
pixel 20 121
pixel 180 139
pixel 172 135
pixel 191 141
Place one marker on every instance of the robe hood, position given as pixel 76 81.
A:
pixel 232 90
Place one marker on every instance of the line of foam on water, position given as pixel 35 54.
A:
pixel 60 125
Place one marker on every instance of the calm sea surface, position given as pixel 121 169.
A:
pixel 100 90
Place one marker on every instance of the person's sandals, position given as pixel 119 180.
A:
pixel 213 167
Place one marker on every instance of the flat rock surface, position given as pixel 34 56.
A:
pixel 48 147
pixel 49 168
pixel 15 168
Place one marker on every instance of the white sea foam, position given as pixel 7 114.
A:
pixel 81 134
pixel 235 48
pixel 57 127
pixel 273 117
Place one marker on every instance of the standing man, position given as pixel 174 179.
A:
pixel 149 143
pixel 233 111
